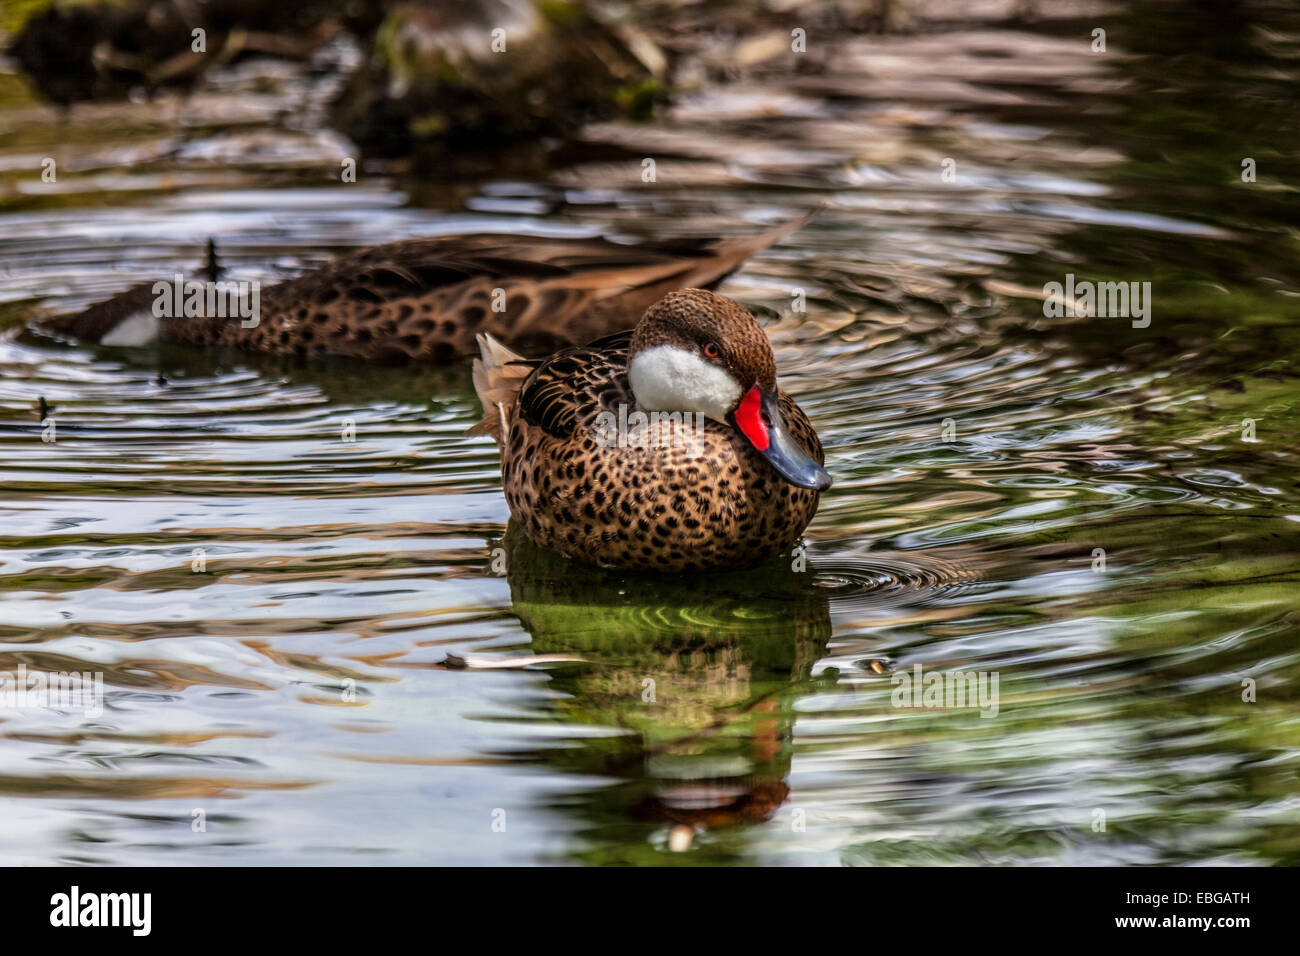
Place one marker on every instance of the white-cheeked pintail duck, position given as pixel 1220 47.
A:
pixel 428 299
pixel 669 447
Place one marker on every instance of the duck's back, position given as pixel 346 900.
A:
pixel 428 299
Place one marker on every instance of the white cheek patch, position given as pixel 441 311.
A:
pixel 669 379
pixel 139 328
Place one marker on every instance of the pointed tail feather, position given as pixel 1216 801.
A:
pixel 498 375
pixel 730 255
pixel 102 319
pixel 128 318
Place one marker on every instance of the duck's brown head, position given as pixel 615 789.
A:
pixel 695 351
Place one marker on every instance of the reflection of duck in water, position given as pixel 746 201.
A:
pixel 696 673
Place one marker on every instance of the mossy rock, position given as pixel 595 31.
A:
pixel 458 76
pixel 74 51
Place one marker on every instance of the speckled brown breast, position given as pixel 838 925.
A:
pixel 702 498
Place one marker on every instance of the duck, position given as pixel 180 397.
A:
pixel 427 300
pixel 668 447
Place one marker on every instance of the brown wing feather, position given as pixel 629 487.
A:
pixel 576 383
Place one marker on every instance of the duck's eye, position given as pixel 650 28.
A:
pixel 711 350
